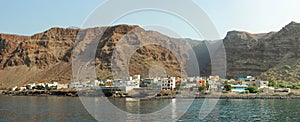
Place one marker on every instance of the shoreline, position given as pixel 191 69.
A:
pixel 234 97
pixel 67 93
pixel 253 97
pixel 72 93
pixel 202 97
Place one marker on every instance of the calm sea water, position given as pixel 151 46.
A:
pixel 21 108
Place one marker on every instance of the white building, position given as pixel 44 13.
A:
pixel 262 84
pixel 168 83
pixel 62 86
pixel 189 85
pixel 75 85
pixel 137 77
pixel 128 88
pixel 41 84
pixel 30 86
pixel 214 78
pixel 53 84
pixel 22 88
pixel 250 79
pixel 94 83
pixel 14 88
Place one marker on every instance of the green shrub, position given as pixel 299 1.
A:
pixel 295 86
pixel 253 89
pixel 292 94
pixel 227 86
pixel 289 86
pixel 246 92
pixel 286 71
pixel 200 88
pixel 272 81
pixel 287 66
pixel 283 85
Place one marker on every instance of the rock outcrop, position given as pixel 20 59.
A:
pixel 274 54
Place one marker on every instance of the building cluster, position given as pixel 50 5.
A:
pixel 130 83
pixel 40 86
pixel 178 83
pixel 211 83
pixel 242 84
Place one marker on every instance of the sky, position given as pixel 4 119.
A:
pixel 254 16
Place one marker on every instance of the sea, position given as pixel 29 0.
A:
pixel 91 109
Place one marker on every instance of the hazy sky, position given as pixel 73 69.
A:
pixel 27 17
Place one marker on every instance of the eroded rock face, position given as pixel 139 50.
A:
pixel 47 56
pixel 244 54
pixel 263 55
pixel 39 50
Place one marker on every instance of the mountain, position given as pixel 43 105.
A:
pixel 267 55
pixel 41 57
pixel 47 56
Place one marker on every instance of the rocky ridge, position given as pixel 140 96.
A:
pixel 274 54
pixel 47 56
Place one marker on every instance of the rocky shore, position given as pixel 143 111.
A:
pixel 251 96
pixel 74 93
pixel 65 92
pixel 233 97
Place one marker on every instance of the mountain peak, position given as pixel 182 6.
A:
pixel 293 25
pixel 122 29
pixel 240 34
pixel 293 28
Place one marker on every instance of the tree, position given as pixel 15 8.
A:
pixel 286 71
pixel 272 81
pixel 227 86
pixel 276 85
pixel 252 89
pixel 287 67
pixel 207 85
pixel 200 88
pixel 17 89
pixel 99 78
pixel 177 86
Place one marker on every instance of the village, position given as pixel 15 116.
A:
pixel 145 86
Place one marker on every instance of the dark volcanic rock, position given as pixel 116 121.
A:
pixel 264 55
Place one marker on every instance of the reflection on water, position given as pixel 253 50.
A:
pixel 103 109
pixel 248 110
pixel 42 109
pixel 137 106
pixel 71 109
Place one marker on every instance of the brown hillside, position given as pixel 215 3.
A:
pixel 47 56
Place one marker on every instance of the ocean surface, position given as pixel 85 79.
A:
pixel 32 108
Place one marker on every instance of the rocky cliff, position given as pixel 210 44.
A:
pixel 41 57
pixel 274 54
pixel 47 56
